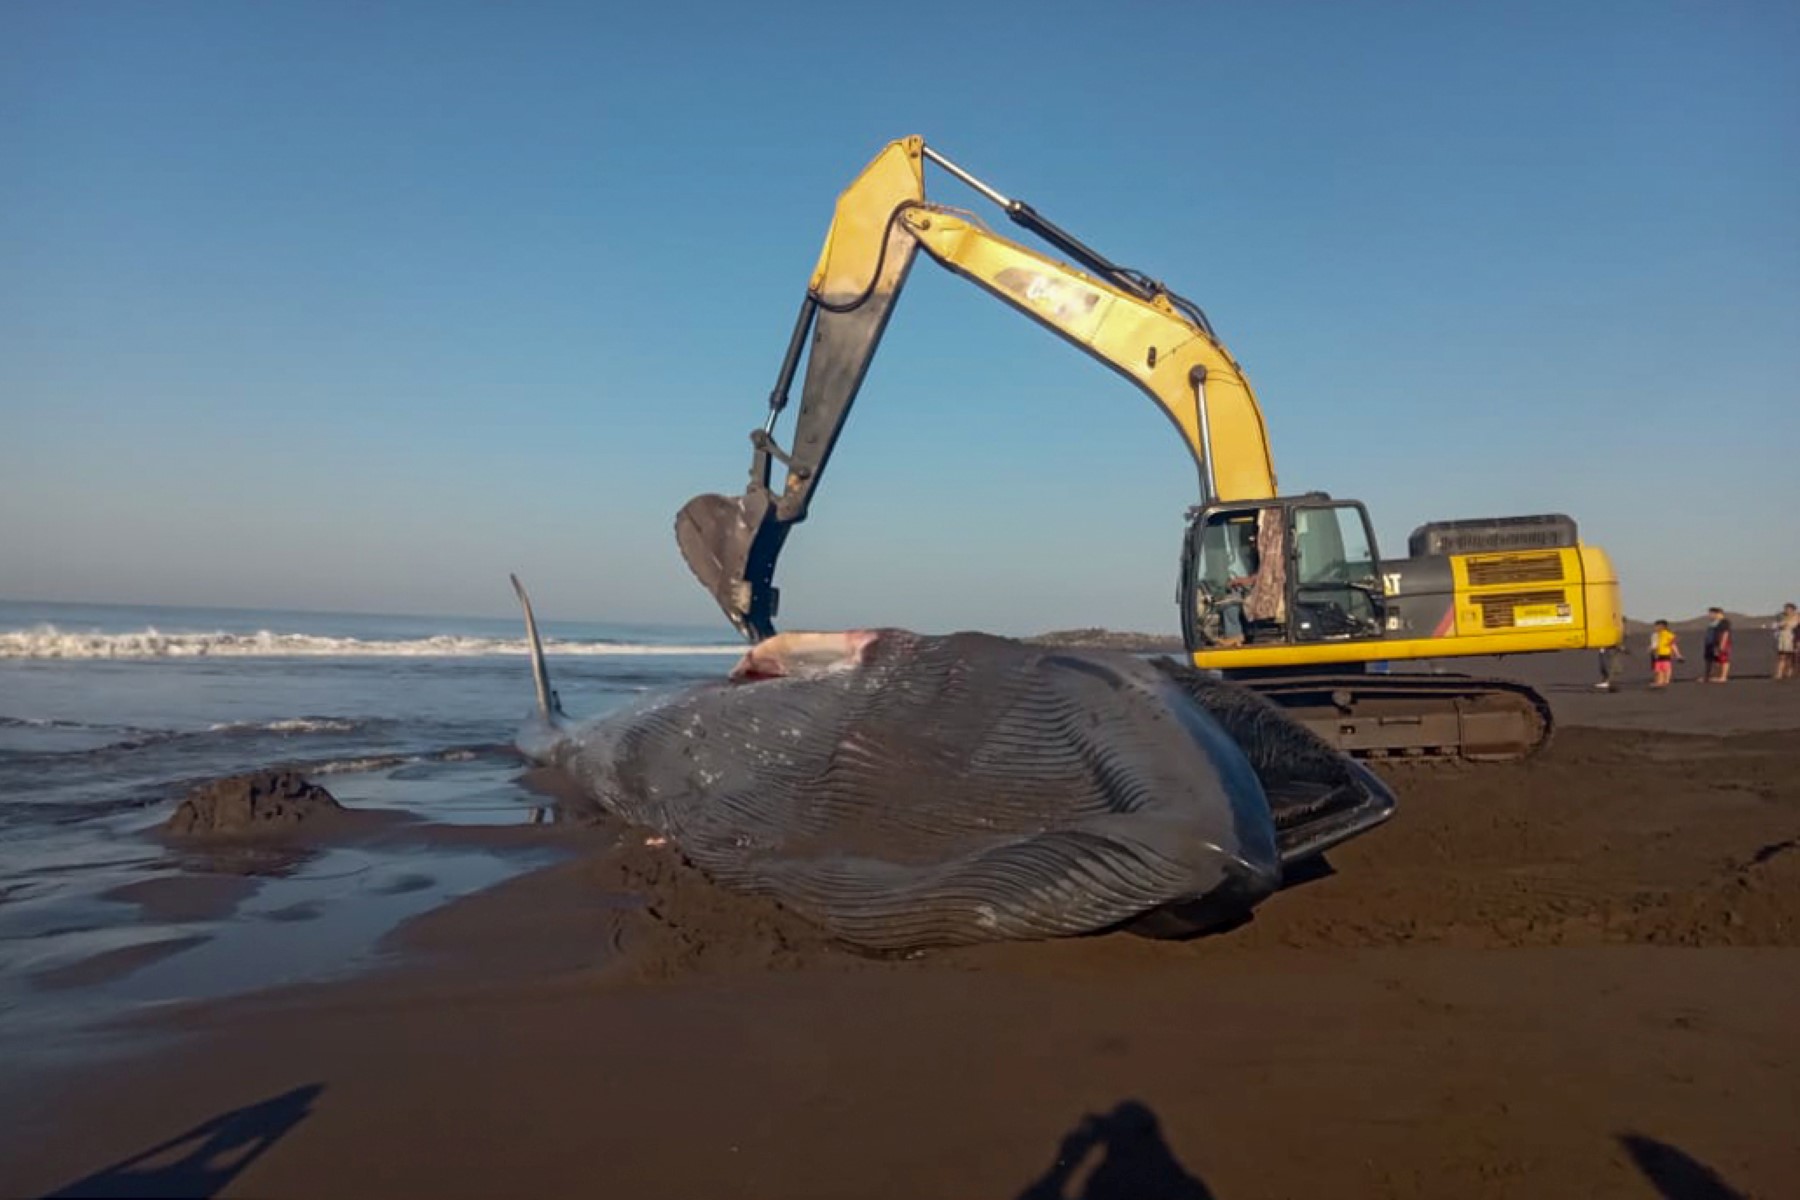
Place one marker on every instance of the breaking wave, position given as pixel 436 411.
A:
pixel 46 641
pixel 141 739
pixel 381 762
pixel 371 762
pixel 288 725
pixel 40 723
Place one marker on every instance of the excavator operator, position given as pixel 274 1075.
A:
pixel 1250 588
pixel 1241 567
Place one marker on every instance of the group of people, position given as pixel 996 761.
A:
pixel 1665 651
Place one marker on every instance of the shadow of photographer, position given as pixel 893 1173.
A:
pixel 200 1162
pixel 1120 1155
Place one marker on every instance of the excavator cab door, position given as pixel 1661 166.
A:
pixel 1336 576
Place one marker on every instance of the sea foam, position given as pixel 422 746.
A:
pixel 47 641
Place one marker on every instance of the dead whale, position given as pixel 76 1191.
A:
pixel 905 791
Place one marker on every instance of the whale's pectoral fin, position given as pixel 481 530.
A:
pixel 549 706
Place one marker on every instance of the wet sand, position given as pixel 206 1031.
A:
pixel 186 897
pixel 1573 976
pixel 109 965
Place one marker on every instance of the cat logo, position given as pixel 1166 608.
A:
pixel 1061 300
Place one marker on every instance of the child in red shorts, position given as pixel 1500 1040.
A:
pixel 1665 652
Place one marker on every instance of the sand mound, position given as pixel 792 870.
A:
pixel 260 803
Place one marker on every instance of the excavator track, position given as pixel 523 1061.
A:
pixel 1416 716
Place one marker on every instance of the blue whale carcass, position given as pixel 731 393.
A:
pixel 905 791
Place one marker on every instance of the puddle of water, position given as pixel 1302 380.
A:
pixel 479 791
pixel 300 914
pixel 321 920
pixel 348 899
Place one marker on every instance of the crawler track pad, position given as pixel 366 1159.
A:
pixel 1413 716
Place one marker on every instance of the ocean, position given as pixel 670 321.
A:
pixel 109 714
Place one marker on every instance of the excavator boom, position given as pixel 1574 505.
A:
pixel 1155 338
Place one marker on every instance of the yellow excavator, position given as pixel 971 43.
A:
pixel 1285 593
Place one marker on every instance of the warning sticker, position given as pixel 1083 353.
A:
pixel 1543 614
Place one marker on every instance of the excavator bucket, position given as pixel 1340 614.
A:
pixel 718 536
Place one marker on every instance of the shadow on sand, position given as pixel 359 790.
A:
pixel 1675 1174
pixel 200 1162
pixel 1133 1162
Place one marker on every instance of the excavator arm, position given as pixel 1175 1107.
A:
pixel 1158 340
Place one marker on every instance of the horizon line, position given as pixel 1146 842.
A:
pixel 345 612
pixel 331 612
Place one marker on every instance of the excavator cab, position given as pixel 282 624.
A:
pixel 1287 571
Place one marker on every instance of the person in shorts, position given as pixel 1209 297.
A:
pixel 1665 652
pixel 1718 646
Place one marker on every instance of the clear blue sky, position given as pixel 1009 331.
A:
pixel 361 306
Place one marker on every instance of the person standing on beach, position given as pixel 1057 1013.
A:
pixel 1718 646
pixel 1665 652
pixel 1787 642
pixel 1609 667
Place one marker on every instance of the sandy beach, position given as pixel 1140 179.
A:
pixel 1572 976
pixel 578 581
